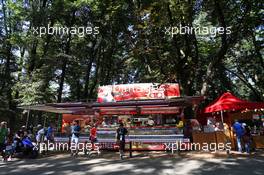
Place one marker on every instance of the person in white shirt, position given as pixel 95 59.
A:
pixel 40 134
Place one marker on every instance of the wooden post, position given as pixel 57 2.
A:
pixel 130 149
pixel 216 141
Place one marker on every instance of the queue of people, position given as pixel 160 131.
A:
pixel 121 133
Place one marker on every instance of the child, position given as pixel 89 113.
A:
pixel 9 149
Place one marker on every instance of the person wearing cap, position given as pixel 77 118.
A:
pixel 40 133
pixel 3 136
pixel 121 132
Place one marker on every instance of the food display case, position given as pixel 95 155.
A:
pixel 141 138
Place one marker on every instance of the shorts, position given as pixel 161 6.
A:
pixel 75 140
pixel 2 147
pixel 9 150
pixel 93 139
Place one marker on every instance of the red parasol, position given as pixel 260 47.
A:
pixel 229 102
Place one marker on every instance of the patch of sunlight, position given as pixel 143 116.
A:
pixel 110 168
pixel 34 166
pixel 66 161
pixel 258 172
pixel 49 172
pixel 214 160
pixel 17 170
pixel 92 161
pixel 145 170
pixel 230 163
pixel 186 167
pixel 71 172
pixel 167 163
pixel 78 173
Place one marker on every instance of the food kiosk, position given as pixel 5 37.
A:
pixel 151 113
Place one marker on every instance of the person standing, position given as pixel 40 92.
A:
pixel 247 139
pixel 93 135
pixel 239 131
pixel 121 132
pixel 75 130
pixel 67 129
pixel 3 136
pixel 187 130
pixel 30 131
pixel 40 134
pixel 50 133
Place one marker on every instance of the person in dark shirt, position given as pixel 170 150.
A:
pixel 50 133
pixel 187 130
pixel 75 129
pixel 121 133
pixel 247 139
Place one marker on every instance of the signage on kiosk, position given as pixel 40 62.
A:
pixel 138 91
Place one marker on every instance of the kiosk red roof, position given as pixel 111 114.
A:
pixel 230 102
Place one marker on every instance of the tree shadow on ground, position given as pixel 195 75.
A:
pixel 111 165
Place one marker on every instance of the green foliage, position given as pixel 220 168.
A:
pixel 132 46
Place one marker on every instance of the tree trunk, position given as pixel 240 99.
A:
pixel 87 78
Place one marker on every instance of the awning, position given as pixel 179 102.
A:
pixel 164 106
pixel 158 106
pixel 61 108
pixel 229 102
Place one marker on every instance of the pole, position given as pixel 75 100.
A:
pixel 130 149
pixel 45 120
pixel 222 117
pixel 27 118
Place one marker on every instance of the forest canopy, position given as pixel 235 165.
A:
pixel 62 50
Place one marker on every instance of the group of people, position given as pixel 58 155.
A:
pixel 75 129
pixel 24 142
pixel 243 136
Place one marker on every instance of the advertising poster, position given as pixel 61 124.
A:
pixel 139 91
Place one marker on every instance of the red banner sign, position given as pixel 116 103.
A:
pixel 139 91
